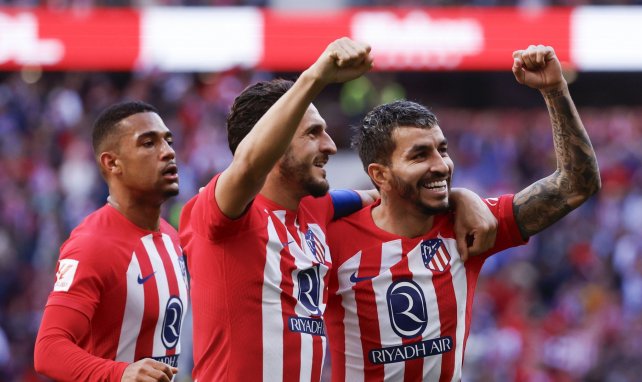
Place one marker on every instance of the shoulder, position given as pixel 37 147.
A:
pixel 321 206
pixel 169 230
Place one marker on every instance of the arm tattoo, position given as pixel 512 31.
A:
pixel 577 176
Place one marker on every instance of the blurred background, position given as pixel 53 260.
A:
pixel 566 307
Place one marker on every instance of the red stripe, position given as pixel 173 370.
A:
pixel 367 311
pixel 447 303
pixel 291 341
pixel 317 358
pixel 145 342
pixel 172 283
pixel 414 368
pixel 334 317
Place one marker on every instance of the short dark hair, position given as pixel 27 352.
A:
pixel 373 137
pixel 250 106
pixel 106 122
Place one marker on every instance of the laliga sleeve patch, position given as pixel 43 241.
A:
pixel 65 275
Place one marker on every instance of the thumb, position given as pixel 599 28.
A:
pixel 462 247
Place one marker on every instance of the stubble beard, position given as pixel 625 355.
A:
pixel 412 194
pixel 299 173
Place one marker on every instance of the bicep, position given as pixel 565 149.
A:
pixel 234 191
pixel 541 204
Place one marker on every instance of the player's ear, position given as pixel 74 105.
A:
pixel 109 163
pixel 380 175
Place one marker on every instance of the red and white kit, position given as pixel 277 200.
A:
pixel 130 283
pixel 258 288
pixel 399 309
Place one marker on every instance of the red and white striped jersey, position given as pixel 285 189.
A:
pixel 258 288
pixel 130 283
pixel 399 309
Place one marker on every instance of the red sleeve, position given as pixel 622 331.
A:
pixel 508 234
pixel 81 275
pixel 58 356
pixel 206 218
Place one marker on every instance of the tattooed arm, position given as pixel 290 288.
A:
pixel 577 176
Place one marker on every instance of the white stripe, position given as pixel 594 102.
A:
pixel 390 255
pixel 352 331
pixel 460 284
pixel 439 258
pixel 423 277
pixel 304 259
pixel 160 278
pixel 271 312
pixel 182 287
pixel 301 261
pixel 133 314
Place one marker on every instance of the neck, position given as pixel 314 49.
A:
pixel 401 219
pixel 142 213
pixel 280 191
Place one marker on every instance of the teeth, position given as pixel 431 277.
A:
pixel 437 184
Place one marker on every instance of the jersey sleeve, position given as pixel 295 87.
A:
pixel 345 202
pixel 58 356
pixel 81 275
pixel 206 218
pixel 508 234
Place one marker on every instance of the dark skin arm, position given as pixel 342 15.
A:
pixel 577 175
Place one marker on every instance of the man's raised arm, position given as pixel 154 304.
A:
pixel 258 152
pixel 577 176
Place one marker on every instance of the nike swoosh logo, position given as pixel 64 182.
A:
pixel 285 244
pixel 141 280
pixel 354 279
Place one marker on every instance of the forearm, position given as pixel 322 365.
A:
pixel 576 177
pixel 57 356
pixel 576 161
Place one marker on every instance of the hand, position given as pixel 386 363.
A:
pixel 343 60
pixel 475 226
pixel 148 370
pixel 538 67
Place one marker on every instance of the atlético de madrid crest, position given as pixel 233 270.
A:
pixel 435 255
pixel 315 245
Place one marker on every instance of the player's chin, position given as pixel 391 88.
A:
pixel 318 188
pixel 171 190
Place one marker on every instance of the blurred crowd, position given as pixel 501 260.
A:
pixel 566 307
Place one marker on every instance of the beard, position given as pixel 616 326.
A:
pixel 412 193
pixel 299 173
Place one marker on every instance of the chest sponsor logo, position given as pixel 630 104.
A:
pixel 316 246
pixel 172 322
pixel 313 326
pixel 407 308
pixel 65 274
pixel 435 255
pixel 407 352
pixel 171 360
pixel 309 282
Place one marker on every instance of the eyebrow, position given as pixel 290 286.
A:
pixel 421 147
pixel 167 134
pixel 315 126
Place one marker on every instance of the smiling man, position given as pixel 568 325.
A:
pixel 120 296
pixel 400 298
